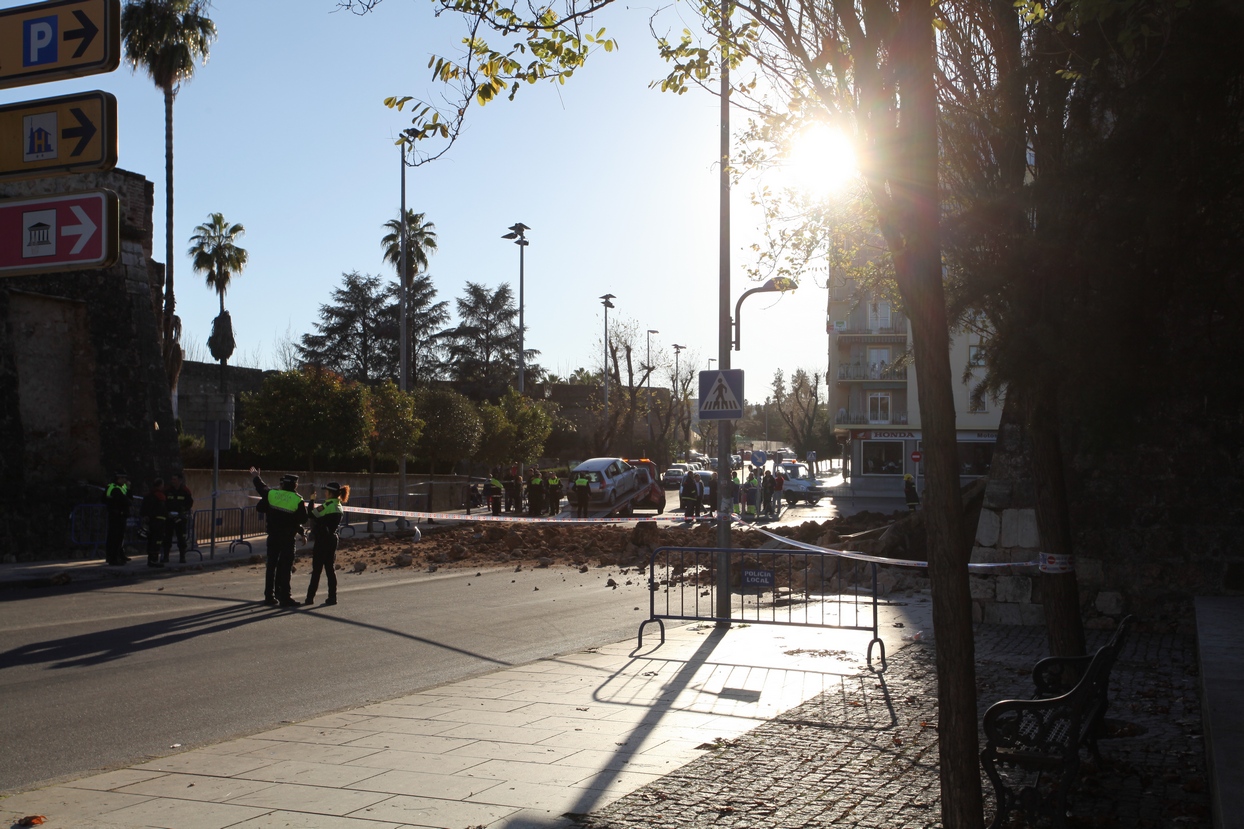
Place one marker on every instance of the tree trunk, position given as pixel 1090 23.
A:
pixel 914 240
pixel 1063 624
pixel 172 349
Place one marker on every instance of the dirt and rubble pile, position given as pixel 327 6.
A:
pixel 480 544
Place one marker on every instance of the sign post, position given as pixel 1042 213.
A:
pixel 216 432
pixel 52 234
pixel 59 39
pixel 70 134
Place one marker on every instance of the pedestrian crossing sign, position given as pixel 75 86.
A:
pixel 721 394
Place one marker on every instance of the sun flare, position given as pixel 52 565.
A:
pixel 821 161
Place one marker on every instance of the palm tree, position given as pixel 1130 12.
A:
pixel 166 38
pixel 215 254
pixel 419 293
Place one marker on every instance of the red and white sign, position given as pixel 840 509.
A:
pixel 916 456
pixel 51 234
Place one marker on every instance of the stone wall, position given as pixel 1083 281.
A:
pixel 82 386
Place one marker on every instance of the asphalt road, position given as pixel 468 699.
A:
pixel 109 675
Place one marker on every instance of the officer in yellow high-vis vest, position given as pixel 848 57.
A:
pixel 286 512
pixel 325 520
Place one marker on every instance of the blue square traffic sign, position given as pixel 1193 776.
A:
pixel 721 394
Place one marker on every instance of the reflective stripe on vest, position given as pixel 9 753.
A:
pixel 284 500
pixel 125 490
pixel 331 507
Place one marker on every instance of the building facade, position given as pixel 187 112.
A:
pixel 873 394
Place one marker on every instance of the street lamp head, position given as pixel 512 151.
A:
pixel 608 297
pixel 608 304
pixel 517 232
pixel 653 331
pixel 678 348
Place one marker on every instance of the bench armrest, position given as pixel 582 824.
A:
pixel 1044 726
pixel 1056 675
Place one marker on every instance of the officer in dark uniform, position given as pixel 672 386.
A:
pixel 325 520
pixel 154 513
pixel 286 513
pixel 180 503
pixel 582 491
pixel 118 501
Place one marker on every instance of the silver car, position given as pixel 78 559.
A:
pixel 609 479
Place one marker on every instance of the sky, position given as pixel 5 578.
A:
pixel 285 131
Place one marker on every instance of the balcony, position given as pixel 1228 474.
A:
pixel 863 419
pixel 873 371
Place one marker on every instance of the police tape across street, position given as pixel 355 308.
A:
pixel 978 567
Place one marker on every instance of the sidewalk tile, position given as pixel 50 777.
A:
pixel 433 812
pixel 316 736
pixel 526 735
pixel 205 763
pixel 303 820
pixel 330 775
pixel 195 787
pixel 306 752
pixel 415 783
pixel 183 814
pixel 65 803
pixel 110 780
pixel 411 742
pixel 446 763
pixel 490 750
pixel 316 799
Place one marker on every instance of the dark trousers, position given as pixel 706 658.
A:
pixel 113 552
pixel 496 504
pixel 279 568
pixel 536 503
pixel 176 529
pixel 323 559
pixel 155 538
pixel 582 505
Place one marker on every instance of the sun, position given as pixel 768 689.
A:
pixel 820 161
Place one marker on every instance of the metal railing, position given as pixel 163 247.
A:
pixel 863 371
pixel 896 418
pixel 768 587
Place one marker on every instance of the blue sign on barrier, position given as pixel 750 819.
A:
pixel 758 578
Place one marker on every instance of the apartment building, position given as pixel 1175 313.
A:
pixel 873 392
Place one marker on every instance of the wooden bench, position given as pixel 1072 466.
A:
pixel 1032 747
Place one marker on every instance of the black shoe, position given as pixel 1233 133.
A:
pixel 154 564
pixel 310 600
pixel 270 602
pixel 331 600
pixel 289 603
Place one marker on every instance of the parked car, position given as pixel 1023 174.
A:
pixel 609 479
pixel 673 476
pixel 654 495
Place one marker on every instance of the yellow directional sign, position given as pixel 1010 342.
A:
pixel 71 134
pixel 59 39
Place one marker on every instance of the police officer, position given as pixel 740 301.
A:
pixel 535 493
pixel 554 500
pixel 117 500
pixel 582 491
pixel 180 503
pixel 494 495
pixel 325 520
pixel 154 512
pixel 286 513
pixel 909 492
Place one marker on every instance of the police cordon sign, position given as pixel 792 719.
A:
pixel 49 234
pixel 59 39
pixel 70 134
pixel 721 394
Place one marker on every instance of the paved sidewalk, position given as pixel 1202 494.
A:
pixel 524 747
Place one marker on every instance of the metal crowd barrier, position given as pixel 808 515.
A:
pixel 767 587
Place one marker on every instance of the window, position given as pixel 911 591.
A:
pixel 976 355
pixel 878 315
pixel 878 407
pixel 978 402
pixel 975 457
pixel 882 457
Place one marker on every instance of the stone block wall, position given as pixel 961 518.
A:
pixel 85 342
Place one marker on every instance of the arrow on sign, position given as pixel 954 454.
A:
pixel 86 34
pixel 83 231
pixel 84 132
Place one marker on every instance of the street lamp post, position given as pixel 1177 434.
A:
pixel 604 300
pixel 517 231
pixel 651 331
pixel 402 341
pixel 678 350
